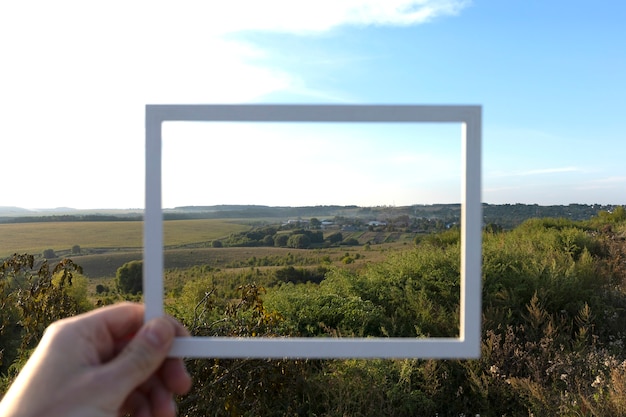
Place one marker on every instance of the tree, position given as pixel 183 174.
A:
pixel 49 254
pixel 493 228
pixel 350 242
pixel 129 277
pixel 299 241
pixel 268 240
pixel 315 223
pixel 76 249
pixel 335 238
pixel 280 240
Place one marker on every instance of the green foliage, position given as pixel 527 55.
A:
pixel 301 275
pixel 493 228
pixel 326 310
pixel 259 236
pixel 281 239
pixel 554 314
pixel 268 240
pixel 299 241
pixel 442 239
pixel 558 262
pixel 129 278
pixel 616 216
pixel 101 289
pixel 419 291
pixel 334 238
pixel 30 300
pixel 239 387
pixel 350 242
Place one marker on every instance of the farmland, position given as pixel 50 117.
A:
pixel 97 237
pixel 105 246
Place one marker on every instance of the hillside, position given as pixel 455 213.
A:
pixel 507 216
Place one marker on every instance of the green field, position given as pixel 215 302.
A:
pixel 105 246
pixel 93 236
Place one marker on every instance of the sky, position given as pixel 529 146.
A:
pixel 75 77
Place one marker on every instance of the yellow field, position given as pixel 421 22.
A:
pixel 61 236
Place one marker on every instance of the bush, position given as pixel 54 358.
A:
pixel 299 241
pixel 30 300
pixel 129 277
pixel 301 275
pixel 268 240
pixel 334 238
pixel 280 240
pixel 350 242
pixel 101 289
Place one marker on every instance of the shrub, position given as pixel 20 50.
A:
pixel 268 240
pixel 299 241
pixel 335 238
pixel 129 277
pixel 281 239
pixel 31 300
pixel 101 289
pixel 350 242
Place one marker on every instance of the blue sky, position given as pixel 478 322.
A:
pixel 550 75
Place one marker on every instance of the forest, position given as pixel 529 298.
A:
pixel 554 322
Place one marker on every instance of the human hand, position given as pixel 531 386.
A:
pixel 103 363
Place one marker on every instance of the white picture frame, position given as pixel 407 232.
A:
pixel 467 345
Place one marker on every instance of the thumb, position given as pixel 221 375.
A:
pixel 143 355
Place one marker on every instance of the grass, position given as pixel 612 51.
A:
pixel 61 236
pixel 105 265
pixel 106 246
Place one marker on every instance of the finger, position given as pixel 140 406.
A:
pixel 162 401
pixel 151 398
pixel 137 405
pixel 175 377
pixel 142 357
pixel 181 331
pixel 119 320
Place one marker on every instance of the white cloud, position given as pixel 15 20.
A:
pixel 76 76
pixel 148 18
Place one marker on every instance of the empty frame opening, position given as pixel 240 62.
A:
pixel 310 164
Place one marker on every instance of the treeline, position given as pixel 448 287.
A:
pixel 256 211
pixel 422 217
pixel 283 237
